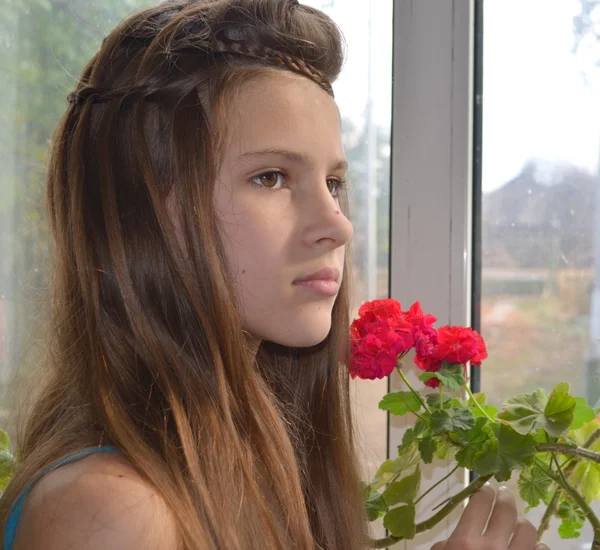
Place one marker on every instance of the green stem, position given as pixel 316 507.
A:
pixel 436 484
pixel 579 500
pixel 415 393
pixel 466 386
pixel 453 502
pixel 570 463
pixel 548 514
pixel 568 450
pixel 441 396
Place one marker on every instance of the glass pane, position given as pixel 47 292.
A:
pixel 540 223
pixel 43 47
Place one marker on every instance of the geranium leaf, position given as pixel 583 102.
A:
pixel 404 490
pixel 559 410
pixel 507 451
pixel 389 468
pixel 7 468
pixel 568 510
pixel 451 420
pixel 582 414
pixel 415 434
pixel 473 441
pixel 586 477
pixel 528 411
pixel 523 411
pixel 427 447
pixel 4 441
pixel 444 450
pixel 400 521
pixel 375 504
pixel 570 529
pixel 400 403
pixel 533 485
pixel 450 376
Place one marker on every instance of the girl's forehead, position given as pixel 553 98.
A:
pixel 276 107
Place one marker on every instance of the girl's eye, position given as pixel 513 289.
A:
pixel 268 179
pixel 338 185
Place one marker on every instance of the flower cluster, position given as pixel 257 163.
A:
pixel 383 334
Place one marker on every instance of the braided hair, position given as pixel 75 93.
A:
pixel 226 42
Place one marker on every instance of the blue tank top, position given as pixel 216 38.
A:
pixel 15 515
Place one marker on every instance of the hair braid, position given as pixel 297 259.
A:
pixel 147 92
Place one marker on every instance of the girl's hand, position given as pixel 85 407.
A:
pixel 504 530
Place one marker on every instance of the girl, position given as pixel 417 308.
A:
pixel 198 395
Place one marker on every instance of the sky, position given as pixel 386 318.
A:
pixel 536 103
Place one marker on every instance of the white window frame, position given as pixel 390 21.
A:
pixel 431 191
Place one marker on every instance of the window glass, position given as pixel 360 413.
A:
pixel 540 223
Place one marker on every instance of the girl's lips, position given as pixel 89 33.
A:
pixel 329 288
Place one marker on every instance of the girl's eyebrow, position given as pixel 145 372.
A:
pixel 292 156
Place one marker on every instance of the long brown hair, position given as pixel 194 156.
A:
pixel 147 351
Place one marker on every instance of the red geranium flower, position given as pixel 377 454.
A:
pixel 378 337
pixel 455 344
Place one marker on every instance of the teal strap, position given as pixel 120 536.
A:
pixel 15 515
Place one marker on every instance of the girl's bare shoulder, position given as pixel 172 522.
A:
pixel 97 502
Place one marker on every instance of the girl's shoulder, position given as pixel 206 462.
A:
pixel 97 502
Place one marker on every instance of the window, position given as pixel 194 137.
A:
pixel 539 217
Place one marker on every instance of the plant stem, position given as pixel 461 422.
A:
pixel 571 462
pixel 415 393
pixel 441 396
pixel 466 386
pixel 453 502
pixel 568 450
pixel 592 439
pixel 579 500
pixel 438 483
pixel 548 514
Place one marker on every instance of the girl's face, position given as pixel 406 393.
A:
pixel 276 198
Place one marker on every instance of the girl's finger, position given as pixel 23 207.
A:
pixel 524 537
pixel 439 545
pixel 503 519
pixel 541 546
pixel 475 515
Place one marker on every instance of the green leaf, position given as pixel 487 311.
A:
pixel 427 448
pixel 400 403
pixel 473 442
pixel 450 376
pixel 481 398
pixel 433 401
pixel 375 504
pixel 524 411
pixel 4 441
pixel 533 485
pixel 412 435
pixel 581 435
pixel 404 490
pixel 568 510
pixel 586 479
pixel 389 468
pixel 529 411
pixel 583 413
pixel 451 420
pixel 570 529
pixel 507 451
pixel 444 450
pixel 400 521
pixel 559 409
pixel 7 468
